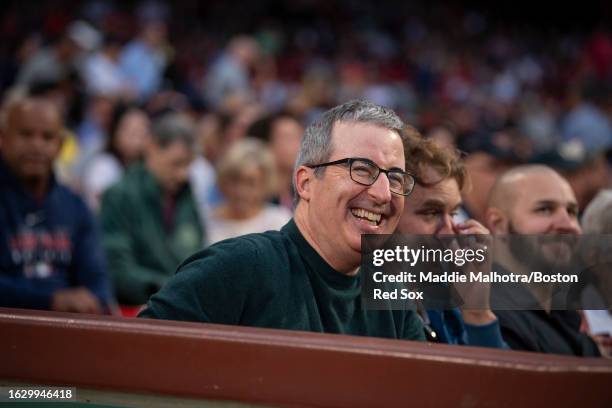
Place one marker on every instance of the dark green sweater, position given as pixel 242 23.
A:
pixel 275 280
pixel 142 252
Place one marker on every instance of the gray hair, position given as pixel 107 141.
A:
pixel 171 128
pixel 597 217
pixel 316 146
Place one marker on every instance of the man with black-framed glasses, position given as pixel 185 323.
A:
pixel 349 180
pixel 365 172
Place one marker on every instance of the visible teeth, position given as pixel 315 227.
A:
pixel 370 216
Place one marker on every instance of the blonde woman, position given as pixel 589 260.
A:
pixel 246 176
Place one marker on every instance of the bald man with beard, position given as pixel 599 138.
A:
pixel 50 257
pixel 535 200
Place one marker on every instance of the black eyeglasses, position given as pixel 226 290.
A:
pixel 366 172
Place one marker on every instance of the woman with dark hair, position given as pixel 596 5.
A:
pixel 128 134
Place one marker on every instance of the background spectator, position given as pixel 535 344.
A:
pixel 283 133
pixel 144 59
pixel 150 223
pixel 246 177
pixel 129 134
pixel 103 74
pixel 50 256
pixel 597 220
pixel 57 61
pixel 227 83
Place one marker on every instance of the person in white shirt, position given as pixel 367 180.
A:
pixel 246 175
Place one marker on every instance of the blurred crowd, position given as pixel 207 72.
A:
pixel 181 122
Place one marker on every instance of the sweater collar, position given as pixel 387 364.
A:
pixel 315 261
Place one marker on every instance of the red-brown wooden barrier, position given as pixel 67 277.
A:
pixel 286 368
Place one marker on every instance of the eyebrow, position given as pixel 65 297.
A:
pixel 433 202
pixel 376 164
pixel 570 204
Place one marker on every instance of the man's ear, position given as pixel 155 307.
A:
pixel 303 182
pixel 496 221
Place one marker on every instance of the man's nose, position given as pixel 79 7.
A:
pixel 445 226
pixel 566 223
pixel 37 141
pixel 380 191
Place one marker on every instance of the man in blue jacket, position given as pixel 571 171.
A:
pixel 433 209
pixel 50 257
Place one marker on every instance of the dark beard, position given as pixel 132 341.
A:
pixel 528 250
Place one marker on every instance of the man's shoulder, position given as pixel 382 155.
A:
pixel 252 264
pixel 69 200
pixel 253 250
pixel 127 187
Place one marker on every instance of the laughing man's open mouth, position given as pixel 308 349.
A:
pixel 372 217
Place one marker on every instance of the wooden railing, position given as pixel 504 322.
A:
pixel 285 368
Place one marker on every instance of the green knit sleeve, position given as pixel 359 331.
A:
pixel 212 286
pixel 413 327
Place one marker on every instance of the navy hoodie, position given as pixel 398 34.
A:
pixel 46 245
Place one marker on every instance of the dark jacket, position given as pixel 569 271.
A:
pixel 143 252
